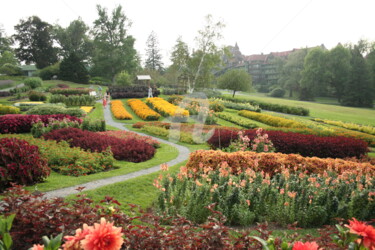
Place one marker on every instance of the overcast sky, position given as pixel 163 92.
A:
pixel 257 26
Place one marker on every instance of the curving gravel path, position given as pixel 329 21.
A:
pixel 183 154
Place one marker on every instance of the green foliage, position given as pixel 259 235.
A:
pixel 277 92
pixel 8 57
pixel 53 109
pixel 37 96
pixel 33 82
pixel 10 69
pixel 243 122
pixel 99 81
pixel 236 80
pixel 38 129
pixel 153 56
pixel 239 106
pixel 49 72
pixel 123 79
pixel 6 241
pixel 172 134
pixel 72 69
pixel 52 244
pixel 73 100
pixel 35 42
pixel 20 90
pixel 94 125
pixel 4 110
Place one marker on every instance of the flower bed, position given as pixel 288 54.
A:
pixel 132 150
pixel 142 110
pixel 295 143
pixel 70 91
pixel 271 120
pixel 167 109
pixel 352 126
pixel 246 123
pixel 5 110
pixel 132 135
pixel 119 111
pixel 23 123
pixel 238 106
pixel 272 163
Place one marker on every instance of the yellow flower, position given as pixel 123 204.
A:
pixel 119 111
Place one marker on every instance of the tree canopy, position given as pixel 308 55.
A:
pixel 236 80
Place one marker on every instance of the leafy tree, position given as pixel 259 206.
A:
pixel 291 71
pixel 72 69
pixel 153 60
pixel 359 90
pixel 206 39
pixel 315 74
pixel 180 55
pixel 10 69
pixel 8 57
pixel 49 72
pixel 123 79
pixel 236 80
pixel 74 39
pixel 5 42
pixel 205 77
pixel 35 43
pixel 114 48
pixel 339 67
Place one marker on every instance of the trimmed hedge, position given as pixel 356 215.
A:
pixel 73 100
pixel 272 163
pixel 295 143
pixel 51 109
pixel 132 150
pixel 37 96
pixel 21 163
pixel 70 91
pixel 10 124
pixel 272 107
pixel 131 91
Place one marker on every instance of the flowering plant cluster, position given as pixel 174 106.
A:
pixel 5 109
pixel 131 135
pixel 296 143
pixel 167 109
pixel 246 196
pixel 272 162
pixel 23 123
pixel 271 120
pixel 130 149
pixel 142 110
pixel 352 126
pixel 87 109
pixel 243 122
pixel 119 111
pixel 260 143
pixel 39 128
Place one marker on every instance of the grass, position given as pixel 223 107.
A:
pixel 56 181
pixel 97 113
pixel 365 116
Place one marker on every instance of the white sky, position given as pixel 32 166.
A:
pixel 257 26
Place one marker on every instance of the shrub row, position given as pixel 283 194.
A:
pixel 23 123
pixel 5 93
pixel 271 120
pixel 19 90
pixel 5 109
pixel 119 111
pixel 272 107
pixel 238 106
pixel 352 126
pixel 295 143
pixel 69 161
pixel 73 100
pixel 132 150
pixel 131 135
pixel 142 110
pixel 174 91
pixel 272 163
pixel 70 91
pixel 51 109
pixel 21 163
pixel 246 123
pixel 131 91
pixel 172 134
pixel 37 96
pixel 167 109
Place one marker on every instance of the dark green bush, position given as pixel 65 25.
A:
pixel 277 92
pixel 10 70
pixel 93 125
pixel 73 100
pixel 49 72
pixel 33 82
pixel 37 96
pixel 53 109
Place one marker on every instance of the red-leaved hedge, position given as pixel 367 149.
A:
pixel 21 163
pixel 15 124
pixel 295 143
pixel 132 150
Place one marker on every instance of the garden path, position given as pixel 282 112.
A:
pixel 17 86
pixel 183 154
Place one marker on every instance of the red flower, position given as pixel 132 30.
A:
pixel 305 246
pixel 103 236
pixel 366 232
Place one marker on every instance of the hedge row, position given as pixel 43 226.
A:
pixel 132 150
pixel 246 123
pixel 73 100
pixel 23 123
pixel 271 120
pixel 352 126
pixel 239 106
pixel 295 143
pixel 272 163
pixel 272 107
pixel 131 91
pixel 70 91
pixel 51 109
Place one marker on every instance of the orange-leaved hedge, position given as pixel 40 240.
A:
pixel 273 162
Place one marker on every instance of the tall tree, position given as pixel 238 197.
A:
pixel 72 69
pixel 206 40
pixel 154 58
pixel 339 67
pixel 8 57
pixel 315 75
pixel 5 42
pixel 291 71
pixel 236 80
pixel 180 55
pixel 114 48
pixel 74 39
pixel 35 43
pixel 359 90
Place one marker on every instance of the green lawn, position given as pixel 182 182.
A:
pixel 365 116
pixel 55 181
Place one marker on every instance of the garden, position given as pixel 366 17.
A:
pixel 259 174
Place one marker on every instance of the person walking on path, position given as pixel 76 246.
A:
pixel 149 91
pixel 105 101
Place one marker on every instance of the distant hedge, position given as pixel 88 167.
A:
pixel 131 91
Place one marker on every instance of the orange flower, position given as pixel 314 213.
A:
pixel 37 247
pixel 164 167
pixel 366 232
pixel 248 202
pixel 305 246
pixel 292 194
pixel 103 236
pixel 74 242
pixel 286 204
pixel 198 183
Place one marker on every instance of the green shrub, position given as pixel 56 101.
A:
pixel 19 90
pixel 10 70
pixel 73 100
pixel 123 79
pixel 216 106
pixel 37 96
pixel 53 109
pixel 4 110
pixel 99 81
pixel 277 92
pixel 49 72
pixel 93 125
pixel 243 122
pixel 238 106
pixel 72 69
pixel 33 82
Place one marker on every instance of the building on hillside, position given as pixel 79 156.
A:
pixel 28 70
